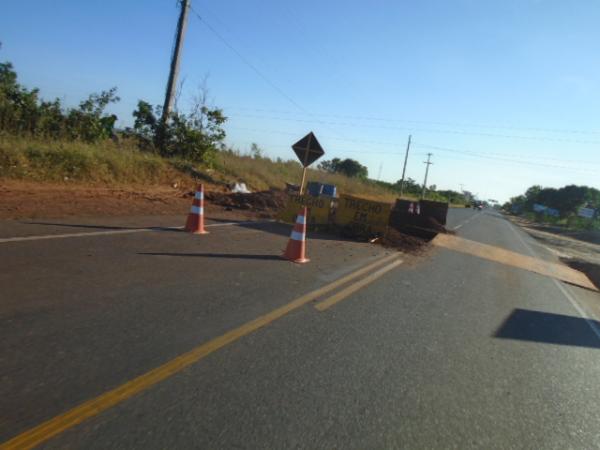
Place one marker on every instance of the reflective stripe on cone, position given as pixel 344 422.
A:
pixel 195 220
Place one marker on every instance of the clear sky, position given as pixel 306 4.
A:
pixel 505 94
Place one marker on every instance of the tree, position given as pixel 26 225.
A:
pixel 567 200
pixel 196 136
pixel 89 122
pixel 349 167
pixel 256 151
pixel 22 112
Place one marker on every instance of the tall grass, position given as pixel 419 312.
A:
pixel 264 173
pixel 108 163
pixel 104 162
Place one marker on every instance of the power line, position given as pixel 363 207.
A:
pixel 426 122
pixel 487 156
pixel 247 62
pixel 426 130
pixel 500 156
pixel 261 74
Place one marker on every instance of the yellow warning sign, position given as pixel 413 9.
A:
pixel 319 209
pixel 363 216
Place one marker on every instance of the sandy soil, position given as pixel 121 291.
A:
pixel 578 249
pixel 27 200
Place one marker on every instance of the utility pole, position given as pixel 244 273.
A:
pixel 426 173
pixel 379 173
pixel 174 70
pixel 404 168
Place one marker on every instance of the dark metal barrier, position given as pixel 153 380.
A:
pixel 423 218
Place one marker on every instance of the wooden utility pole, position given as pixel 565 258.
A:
pixel 305 165
pixel 174 70
pixel 426 173
pixel 404 168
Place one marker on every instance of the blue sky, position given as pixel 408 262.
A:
pixel 505 94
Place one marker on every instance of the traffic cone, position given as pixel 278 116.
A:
pixel 296 247
pixel 195 220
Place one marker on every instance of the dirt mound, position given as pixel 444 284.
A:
pixel 590 269
pixel 268 202
pixel 432 224
pixel 403 242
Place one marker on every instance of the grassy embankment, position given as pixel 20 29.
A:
pixel 107 163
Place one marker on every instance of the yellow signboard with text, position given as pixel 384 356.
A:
pixel 319 209
pixel 362 216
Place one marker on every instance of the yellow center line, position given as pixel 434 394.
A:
pixel 46 430
pixel 344 293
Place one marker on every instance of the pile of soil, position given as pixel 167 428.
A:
pixel 404 242
pixel 434 225
pixel 590 269
pixel 266 202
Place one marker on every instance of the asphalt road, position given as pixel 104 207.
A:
pixel 445 350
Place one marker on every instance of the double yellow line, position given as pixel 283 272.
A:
pixel 46 430
pixel 351 289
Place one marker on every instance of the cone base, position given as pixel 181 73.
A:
pixel 297 261
pixel 199 232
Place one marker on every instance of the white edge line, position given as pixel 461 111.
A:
pixel 112 232
pixel 465 222
pixel 584 315
pixel 579 309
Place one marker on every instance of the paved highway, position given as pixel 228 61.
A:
pixel 444 350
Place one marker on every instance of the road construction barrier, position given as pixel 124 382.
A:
pixel 319 209
pixel 424 218
pixel 362 217
pixel 438 211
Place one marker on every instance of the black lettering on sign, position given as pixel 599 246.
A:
pixel 360 217
pixel 303 200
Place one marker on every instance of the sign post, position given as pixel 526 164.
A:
pixel 308 150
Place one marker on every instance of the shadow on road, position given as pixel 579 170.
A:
pixel 76 225
pixel 219 255
pixel 548 328
pixel 102 227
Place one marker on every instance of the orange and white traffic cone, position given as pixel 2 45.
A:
pixel 195 220
pixel 296 247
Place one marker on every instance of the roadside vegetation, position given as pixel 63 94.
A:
pixel 558 206
pixel 46 141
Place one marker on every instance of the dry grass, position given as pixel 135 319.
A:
pixel 104 163
pixel 109 164
pixel 263 173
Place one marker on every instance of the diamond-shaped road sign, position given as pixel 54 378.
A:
pixel 308 149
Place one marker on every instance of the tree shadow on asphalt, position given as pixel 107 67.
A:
pixel 78 225
pixel 218 255
pixel 549 328
pixel 118 227
pixel 277 228
pixel 101 227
